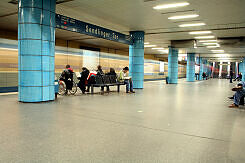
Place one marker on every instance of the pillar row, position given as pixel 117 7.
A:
pixel 190 74
pixel 201 68
pixel 173 65
pixel 136 59
pixel 36 48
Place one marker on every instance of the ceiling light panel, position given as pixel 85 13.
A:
pixel 183 17
pixel 149 46
pixel 192 25
pixel 208 41
pixel 218 51
pixel 200 32
pixel 213 46
pixel 204 37
pixel 158 48
pixel 172 5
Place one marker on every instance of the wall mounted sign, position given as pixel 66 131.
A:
pixel 70 24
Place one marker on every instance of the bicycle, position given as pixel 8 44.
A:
pixel 63 90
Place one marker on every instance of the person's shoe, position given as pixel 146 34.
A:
pixel 231 98
pixel 233 106
pixel 83 92
pixel 127 91
pixel 132 91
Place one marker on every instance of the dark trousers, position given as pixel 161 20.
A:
pixel 230 79
pixel 82 85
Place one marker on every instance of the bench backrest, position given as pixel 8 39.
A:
pixel 113 79
pixel 98 79
pixel 106 79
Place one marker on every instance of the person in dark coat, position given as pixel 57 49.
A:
pixel 112 72
pixel 231 75
pixel 100 73
pixel 83 79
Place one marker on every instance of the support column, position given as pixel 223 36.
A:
pixel 243 69
pixel 236 69
pixel 136 59
pixel 213 69
pixel 220 69
pixel 201 68
pixel 173 65
pixel 36 47
pixel 229 69
pixel 205 66
pixel 190 74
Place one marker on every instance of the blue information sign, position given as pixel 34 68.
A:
pixel 70 24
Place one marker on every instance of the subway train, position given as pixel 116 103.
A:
pixel 77 58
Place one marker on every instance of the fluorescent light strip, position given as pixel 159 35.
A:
pixel 192 25
pixel 204 37
pixel 218 51
pixel 208 41
pixel 146 43
pixel 149 46
pixel 183 17
pixel 172 5
pixel 200 32
pixel 213 46
pixel 9 49
pixel 164 51
pixel 158 48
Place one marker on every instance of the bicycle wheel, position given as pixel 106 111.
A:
pixel 74 89
pixel 62 87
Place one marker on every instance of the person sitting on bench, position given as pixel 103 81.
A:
pixel 83 79
pixel 123 77
pixel 112 72
pixel 100 73
pixel 239 77
pixel 240 92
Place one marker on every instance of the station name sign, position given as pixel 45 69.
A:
pixel 70 24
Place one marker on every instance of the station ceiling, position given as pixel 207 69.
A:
pixel 224 18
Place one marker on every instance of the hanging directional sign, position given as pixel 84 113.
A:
pixel 70 24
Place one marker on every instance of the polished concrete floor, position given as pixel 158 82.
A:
pixel 184 123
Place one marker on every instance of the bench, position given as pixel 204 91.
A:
pixel 106 81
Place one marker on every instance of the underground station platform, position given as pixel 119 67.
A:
pixel 143 81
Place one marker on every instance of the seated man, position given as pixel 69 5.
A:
pixel 239 77
pixel 123 77
pixel 240 92
pixel 67 77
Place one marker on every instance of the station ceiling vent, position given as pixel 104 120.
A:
pixel 15 2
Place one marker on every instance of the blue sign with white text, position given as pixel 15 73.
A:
pixel 70 24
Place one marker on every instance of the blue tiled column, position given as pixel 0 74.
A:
pixel 173 65
pixel 136 59
pixel 36 44
pixel 205 68
pixel 209 69
pixel 190 74
pixel 242 66
pixel 201 68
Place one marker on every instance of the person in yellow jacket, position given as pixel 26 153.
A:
pixel 124 78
